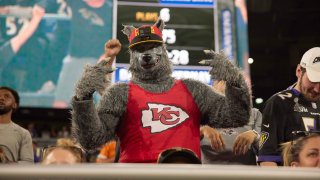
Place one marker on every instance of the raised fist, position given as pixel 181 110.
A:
pixel 38 12
pixel 112 48
pixel 222 68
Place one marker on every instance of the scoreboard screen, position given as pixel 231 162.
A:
pixel 189 28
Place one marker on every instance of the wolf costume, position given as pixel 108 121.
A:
pixel 155 111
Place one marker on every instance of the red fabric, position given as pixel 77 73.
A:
pixel 135 32
pixel 175 123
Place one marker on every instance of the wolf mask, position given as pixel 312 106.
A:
pixel 148 55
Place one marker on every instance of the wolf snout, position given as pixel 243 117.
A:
pixel 147 58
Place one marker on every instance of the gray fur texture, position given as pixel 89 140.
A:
pixel 93 79
pixel 151 69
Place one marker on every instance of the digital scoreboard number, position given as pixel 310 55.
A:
pixel 189 29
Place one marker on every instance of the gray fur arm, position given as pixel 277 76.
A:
pixel 220 111
pixel 233 110
pixel 93 79
pixel 223 69
pixel 93 126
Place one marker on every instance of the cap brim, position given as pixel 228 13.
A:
pixel 146 41
pixel 313 76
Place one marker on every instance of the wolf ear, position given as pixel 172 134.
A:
pixel 127 30
pixel 160 24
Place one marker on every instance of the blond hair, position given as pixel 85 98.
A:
pixel 68 145
pixel 291 150
pixel 65 142
pixel 286 153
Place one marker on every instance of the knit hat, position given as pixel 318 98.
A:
pixel 145 34
pixel 311 61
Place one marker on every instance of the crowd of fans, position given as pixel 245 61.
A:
pixel 299 142
pixel 284 134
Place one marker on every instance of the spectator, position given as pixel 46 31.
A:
pixel 64 152
pixel 11 47
pixel 17 140
pixel 62 155
pixel 86 44
pixel 33 36
pixel 16 37
pixel 294 109
pixel 302 152
pixel 231 145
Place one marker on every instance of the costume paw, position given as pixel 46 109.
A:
pixel 94 79
pixel 222 67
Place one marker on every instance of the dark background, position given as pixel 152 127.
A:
pixel 280 31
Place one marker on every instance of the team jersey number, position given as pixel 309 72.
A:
pixel 12 26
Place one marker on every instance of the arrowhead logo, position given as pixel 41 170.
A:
pixel 161 117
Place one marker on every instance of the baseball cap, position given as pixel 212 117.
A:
pixel 311 61
pixel 178 155
pixel 145 34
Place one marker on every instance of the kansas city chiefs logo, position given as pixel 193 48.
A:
pixel 161 117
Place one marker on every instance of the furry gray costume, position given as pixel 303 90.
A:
pixel 151 70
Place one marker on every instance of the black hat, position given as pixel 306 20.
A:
pixel 145 34
pixel 178 155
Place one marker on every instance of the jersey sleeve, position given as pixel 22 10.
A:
pixel 271 131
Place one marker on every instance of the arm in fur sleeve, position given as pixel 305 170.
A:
pixel 93 126
pixel 231 110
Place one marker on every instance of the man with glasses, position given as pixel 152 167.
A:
pixel 65 151
pixel 294 109
pixel 62 155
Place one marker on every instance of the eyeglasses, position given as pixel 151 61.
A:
pixel 299 134
pixel 78 152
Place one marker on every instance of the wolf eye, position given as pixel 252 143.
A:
pixel 157 50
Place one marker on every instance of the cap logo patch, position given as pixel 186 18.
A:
pixel 145 34
pixel 136 32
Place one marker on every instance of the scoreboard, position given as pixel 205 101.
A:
pixel 189 30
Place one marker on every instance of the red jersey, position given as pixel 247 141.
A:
pixel 154 122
